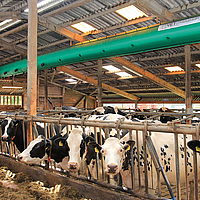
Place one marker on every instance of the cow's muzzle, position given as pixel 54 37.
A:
pixel 5 138
pixel 19 157
pixel 73 166
pixel 112 168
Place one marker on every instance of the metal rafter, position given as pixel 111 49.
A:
pixel 12 47
pixel 9 15
pixel 184 7
pixel 98 14
pixel 66 8
pixel 155 8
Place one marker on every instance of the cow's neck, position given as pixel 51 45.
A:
pixel 19 139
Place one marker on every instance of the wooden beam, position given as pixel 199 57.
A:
pixel 32 66
pixel 60 30
pixel 99 83
pixel 188 99
pixel 45 89
pixel 61 86
pixel 95 82
pixel 54 72
pixel 80 101
pixel 148 75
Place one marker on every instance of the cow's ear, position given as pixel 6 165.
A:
pixel 88 140
pixel 95 146
pixel 129 145
pixel 47 144
pixel 16 122
pixel 60 142
pixel 194 145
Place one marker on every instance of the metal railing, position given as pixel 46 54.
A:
pixel 136 130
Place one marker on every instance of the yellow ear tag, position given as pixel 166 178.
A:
pixel 60 144
pixel 198 149
pixel 88 143
pixel 96 150
pixel 129 147
pixel 16 124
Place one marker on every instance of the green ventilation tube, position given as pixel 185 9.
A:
pixel 144 40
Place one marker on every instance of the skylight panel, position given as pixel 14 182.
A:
pixel 123 74
pixel 83 27
pixel 198 65
pixel 174 69
pixel 9 24
pixel 111 68
pixel 71 80
pixel 130 12
pixel 46 4
pixel 5 22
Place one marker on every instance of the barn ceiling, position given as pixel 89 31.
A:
pixel 56 31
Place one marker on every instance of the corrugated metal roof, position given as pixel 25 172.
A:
pixel 101 14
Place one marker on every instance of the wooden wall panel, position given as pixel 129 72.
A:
pixel 72 98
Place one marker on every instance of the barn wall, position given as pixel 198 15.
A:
pixel 72 98
pixel 59 97
pixel 54 95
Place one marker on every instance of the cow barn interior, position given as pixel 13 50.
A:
pixel 61 59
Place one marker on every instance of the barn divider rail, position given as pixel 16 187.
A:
pixel 148 147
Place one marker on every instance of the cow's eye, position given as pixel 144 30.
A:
pixel 102 151
pixel 120 150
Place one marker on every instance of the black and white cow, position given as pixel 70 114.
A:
pixel 166 118
pixel 42 149
pixel 116 162
pixel 72 111
pixel 12 130
pixel 68 152
pixel 194 145
pixel 107 110
pixel 139 114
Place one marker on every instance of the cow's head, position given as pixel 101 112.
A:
pixel 36 151
pixel 113 153
pixel 9 129
pixel 42 149
pixel 194 145
pixel 98 111
pixel 77 147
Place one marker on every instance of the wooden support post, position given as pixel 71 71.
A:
pixel 188 99
pixel 38 93
pixel 32 65
pixel 99 83
pixel 45 89
pixel 63 98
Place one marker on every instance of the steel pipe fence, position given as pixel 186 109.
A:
pixel 140 177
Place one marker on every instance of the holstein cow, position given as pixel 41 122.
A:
pixel 166 118
pixel 68 152
pixel 164 144
pixel 194 145
pixel 12 130
pixel 107 110
pixel 140 116
pixel 42 149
